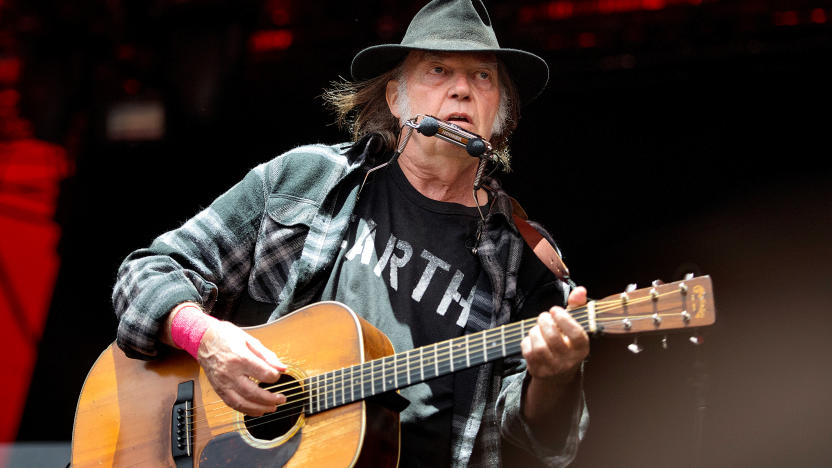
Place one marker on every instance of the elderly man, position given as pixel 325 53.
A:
pixel 414 247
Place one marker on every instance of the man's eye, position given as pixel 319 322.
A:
pixel 438 70
pixel 483 75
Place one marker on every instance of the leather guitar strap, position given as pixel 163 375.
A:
pixel 541 247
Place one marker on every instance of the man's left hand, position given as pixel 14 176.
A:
pixel 556 346
pixel 554 350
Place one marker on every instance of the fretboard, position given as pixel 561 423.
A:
pixel 355 383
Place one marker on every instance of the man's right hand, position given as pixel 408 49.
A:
pixel 231 359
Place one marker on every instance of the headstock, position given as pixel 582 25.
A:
pixel 683 304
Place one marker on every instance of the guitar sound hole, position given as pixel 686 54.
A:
pixel 273 425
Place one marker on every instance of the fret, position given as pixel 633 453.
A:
pixel 334 388
pixel 328 392
pixel 467 353
pixel 407 366
pixel 485 346
pixel 318 392
pixel 503 338
pixel 333 392
pixel 435 360
pixel 513 345
pixel 422 362
pixel 341 374
pixel 395 372
pixel 383 379
pixel 372 379
pixel 491 338
pixel 352 383
pixel 323 391
pixel 309 393
pixel 389 372
pixel 451 354
pixel 361 378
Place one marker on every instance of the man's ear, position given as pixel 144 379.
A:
pixel 392 95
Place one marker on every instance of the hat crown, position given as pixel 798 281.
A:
pixel 447 24
pixel 454 26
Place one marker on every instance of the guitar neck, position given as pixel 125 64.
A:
pixel 418 365
pixel 679 305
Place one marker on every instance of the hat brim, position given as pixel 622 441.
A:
pixel 528 71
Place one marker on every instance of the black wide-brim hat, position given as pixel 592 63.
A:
pixel 455 26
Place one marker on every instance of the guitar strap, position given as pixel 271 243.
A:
pixel 539 244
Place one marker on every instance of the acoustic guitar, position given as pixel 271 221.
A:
pixel 340 387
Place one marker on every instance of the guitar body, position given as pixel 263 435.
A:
pixel 124 415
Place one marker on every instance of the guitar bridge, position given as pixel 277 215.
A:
pixel 181 425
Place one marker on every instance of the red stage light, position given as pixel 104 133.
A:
pixel 9 70
pixel 126 52
pixel 131 86
pixel 818 16
pixel 587 39
pixel 280 17
pixel 653 4
pixel 785 18
pixel 265 41
pixel 527 14
pixel 280 12
pixel 386 27
pixel 560 10
pixel 9 98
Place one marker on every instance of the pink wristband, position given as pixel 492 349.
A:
pixel 188 327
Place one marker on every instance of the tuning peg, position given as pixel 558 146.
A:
pixel 657 282
pixel 664 342
pixel 688 276
pixel 625 295
pixel 696 339
pixel 634 347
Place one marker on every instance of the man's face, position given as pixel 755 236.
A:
pixel 462 88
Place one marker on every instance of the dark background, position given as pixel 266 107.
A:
pixel 684 136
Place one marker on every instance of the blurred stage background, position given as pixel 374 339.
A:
pixel 688 135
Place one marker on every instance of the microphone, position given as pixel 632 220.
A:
pixel 474 144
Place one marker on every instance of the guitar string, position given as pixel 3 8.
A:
pixel 405 356
pixel 296 407
pixel 603 307
pixel 291 405
pixel 396 368
pixel 327 390
pixel 436 352
pixel 290 408
pixel 330 386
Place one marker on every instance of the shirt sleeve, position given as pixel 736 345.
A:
pixel 209 255
pixel 558 446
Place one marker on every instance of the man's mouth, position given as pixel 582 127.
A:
pixel 457 118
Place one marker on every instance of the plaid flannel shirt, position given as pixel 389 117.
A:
pixel 274 234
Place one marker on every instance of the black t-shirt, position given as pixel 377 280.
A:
pixel 407 267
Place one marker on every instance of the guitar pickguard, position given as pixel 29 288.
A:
pixel 231 450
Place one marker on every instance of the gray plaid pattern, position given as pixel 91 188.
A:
pixel 273 234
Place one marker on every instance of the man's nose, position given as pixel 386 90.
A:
pixel 460 88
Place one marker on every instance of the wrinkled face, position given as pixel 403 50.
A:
pixel 462 88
